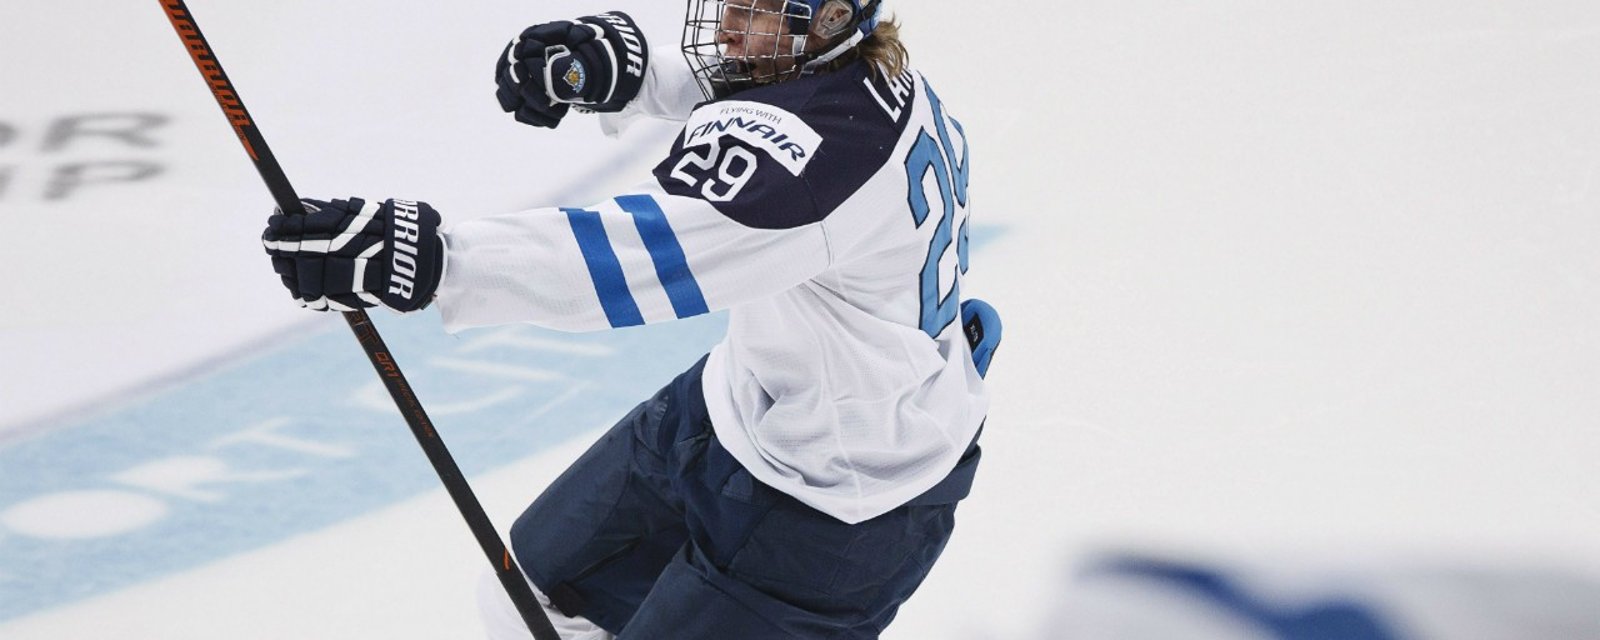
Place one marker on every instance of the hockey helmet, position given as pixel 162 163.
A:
pixel 783 30
pixel 838 18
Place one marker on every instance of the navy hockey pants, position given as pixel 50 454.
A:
pixel 657 533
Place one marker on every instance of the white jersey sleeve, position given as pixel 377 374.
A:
pixel 643 257
pixel 669 93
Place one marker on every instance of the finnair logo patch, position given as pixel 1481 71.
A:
pixel 781 134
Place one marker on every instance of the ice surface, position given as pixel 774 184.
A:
pixel 1312 279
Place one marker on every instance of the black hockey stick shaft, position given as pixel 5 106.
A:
pixel 404 398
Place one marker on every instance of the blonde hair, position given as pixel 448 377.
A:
pixel 885 50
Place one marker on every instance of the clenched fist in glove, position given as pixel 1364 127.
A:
pixel 594 62
pixel 348 254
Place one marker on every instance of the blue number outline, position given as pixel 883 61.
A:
pixel 928 154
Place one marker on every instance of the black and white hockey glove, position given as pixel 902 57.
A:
pixel 595 62
pixel 349 254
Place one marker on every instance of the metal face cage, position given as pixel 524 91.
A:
pixel 733 45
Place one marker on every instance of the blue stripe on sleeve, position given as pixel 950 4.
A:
pixel 672 267
pixel 609 282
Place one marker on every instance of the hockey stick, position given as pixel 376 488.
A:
pixel 443 464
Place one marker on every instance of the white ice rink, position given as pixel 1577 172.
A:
pixel 1294 281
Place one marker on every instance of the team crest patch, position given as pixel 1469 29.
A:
pixel 576 77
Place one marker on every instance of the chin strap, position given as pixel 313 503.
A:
pixel 813 64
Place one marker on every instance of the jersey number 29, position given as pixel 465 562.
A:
pixel 734 168
pixel 938 157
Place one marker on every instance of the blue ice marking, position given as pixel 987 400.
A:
pixel 1329 619
pixel 299 438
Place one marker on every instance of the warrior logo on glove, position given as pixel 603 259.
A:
pixel 595 62
pixel 351 254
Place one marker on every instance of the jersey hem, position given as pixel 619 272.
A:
pixel 731 433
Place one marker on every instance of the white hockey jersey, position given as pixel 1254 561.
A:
pixel 828 215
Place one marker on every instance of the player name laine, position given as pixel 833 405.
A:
pixel 900 90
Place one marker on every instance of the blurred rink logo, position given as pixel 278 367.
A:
pixel 297 439
pixel 66 155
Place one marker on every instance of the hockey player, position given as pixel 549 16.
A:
pixel 801 479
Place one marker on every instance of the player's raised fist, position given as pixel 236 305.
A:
pixel 348 254
pixel 595 62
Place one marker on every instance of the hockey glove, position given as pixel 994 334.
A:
pixel 349 254
pixel 594 62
